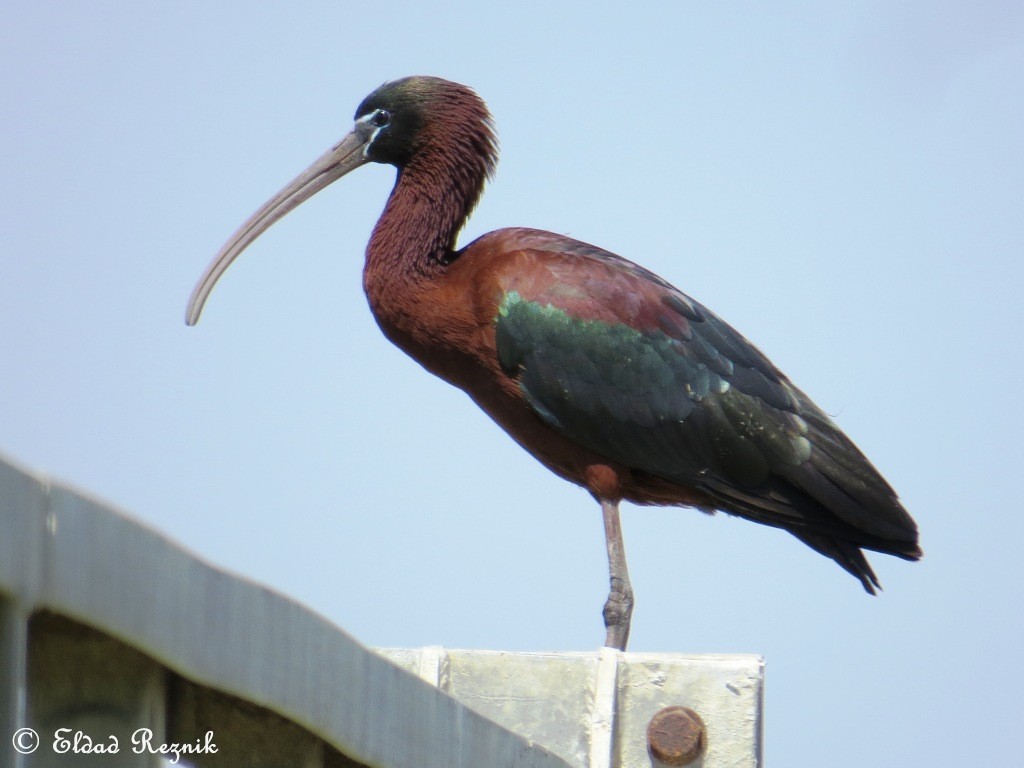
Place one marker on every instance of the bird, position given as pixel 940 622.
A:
pixel 606 373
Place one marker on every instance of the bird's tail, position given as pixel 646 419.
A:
pixel 847 554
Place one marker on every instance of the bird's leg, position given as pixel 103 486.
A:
pixel 618 610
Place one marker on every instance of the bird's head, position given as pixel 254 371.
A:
pixel 416 120
pixel 408 118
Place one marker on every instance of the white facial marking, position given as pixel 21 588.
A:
pixel 368 119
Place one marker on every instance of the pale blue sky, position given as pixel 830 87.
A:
pixel 841 182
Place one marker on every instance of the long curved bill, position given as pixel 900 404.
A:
pixel 345 156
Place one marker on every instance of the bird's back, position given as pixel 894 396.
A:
pixel 617 360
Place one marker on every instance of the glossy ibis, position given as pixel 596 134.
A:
pixel 608 375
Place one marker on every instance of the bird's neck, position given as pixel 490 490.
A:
pixel 414 239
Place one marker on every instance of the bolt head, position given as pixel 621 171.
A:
pixel 676 736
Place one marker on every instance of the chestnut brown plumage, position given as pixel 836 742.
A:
pixel 607 374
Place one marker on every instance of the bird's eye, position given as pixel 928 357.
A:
pixel 381 118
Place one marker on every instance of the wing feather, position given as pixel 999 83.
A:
pixel 626 365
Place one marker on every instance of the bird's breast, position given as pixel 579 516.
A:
pixel 438 323
pixel 448 327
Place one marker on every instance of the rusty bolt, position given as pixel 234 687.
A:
pixel 676 736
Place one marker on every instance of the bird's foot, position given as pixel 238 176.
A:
pixel 618 611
